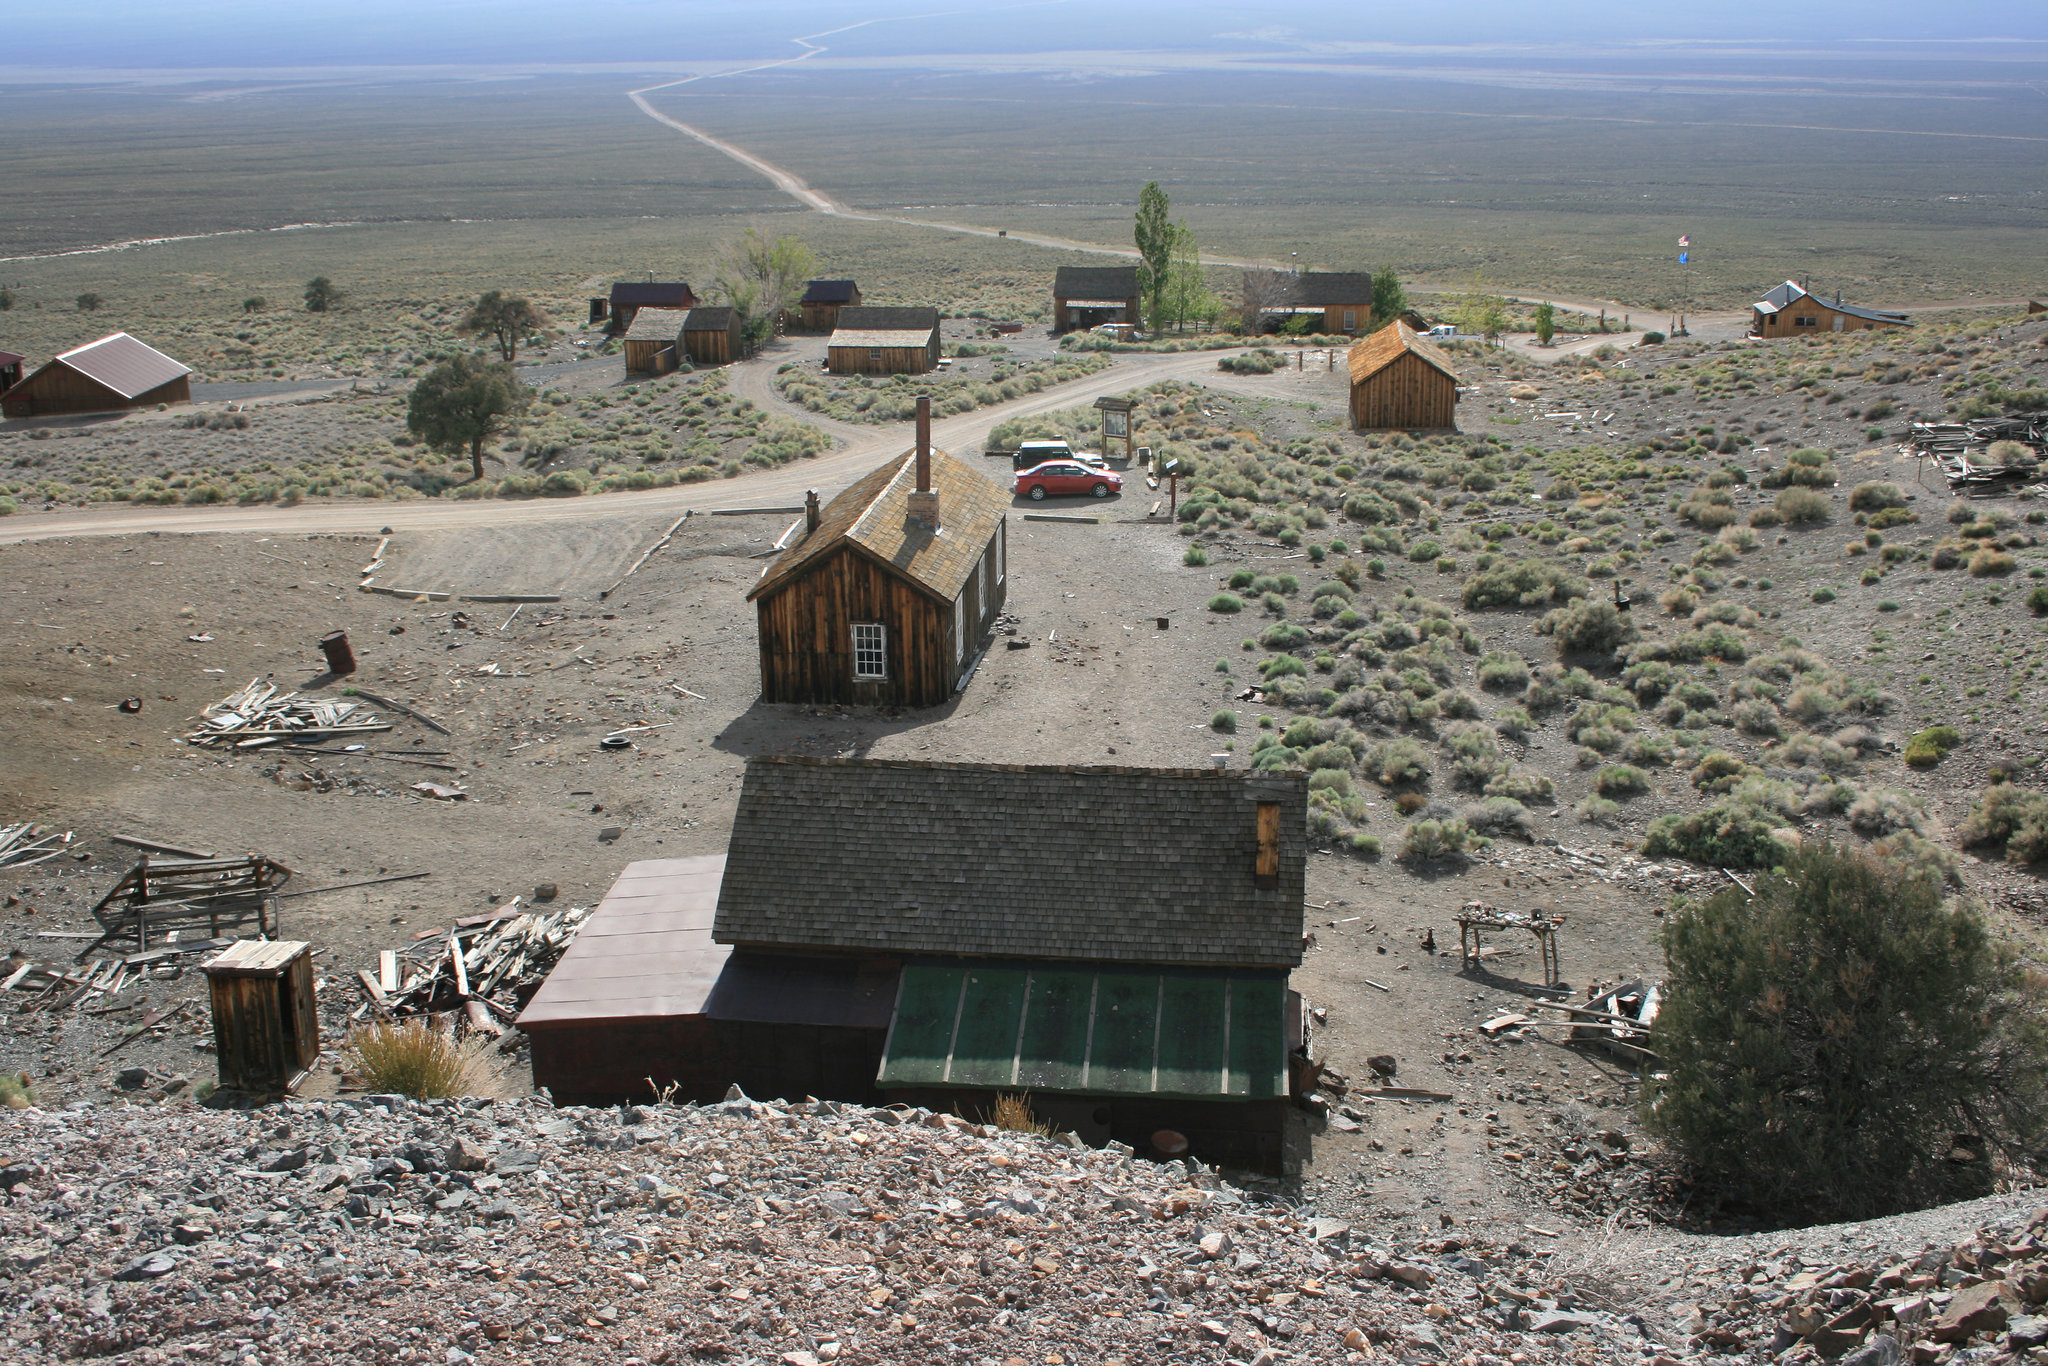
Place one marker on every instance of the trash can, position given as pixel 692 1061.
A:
pixel 341 659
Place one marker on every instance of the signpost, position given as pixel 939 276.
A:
pixel 1116 424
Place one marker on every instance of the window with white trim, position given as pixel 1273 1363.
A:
pixel 986 580
pixel 1350 319
pixel 960 628
pixel 1002 535
pixel 870 650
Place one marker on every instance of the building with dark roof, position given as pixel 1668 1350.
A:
pixel 1088 296
pixel 653 344
pixel 628 297
pixel 883 341
pixel 108 375
pixel 889 596
pixel 892 930
pixel 1402 382
pixel 1789 311
pixel 818 309
pixel 712 336
pixel 10 370
pixel 1341 300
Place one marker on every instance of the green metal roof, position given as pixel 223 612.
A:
pixel 1191 1033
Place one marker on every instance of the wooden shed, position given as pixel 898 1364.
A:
pixel 884 341
pixel 108 375
pixel 628 297
pixel 10 370
pixel 711 336
pixel 1086 296
pixel 818 310
pixel 1789 311
pixel 266 1019
pixel 889 596
pixel 653 344
pixel 1399 381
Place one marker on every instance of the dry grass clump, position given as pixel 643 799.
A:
pixel 412 1060
pixel 1013 1113
pixel 15 1091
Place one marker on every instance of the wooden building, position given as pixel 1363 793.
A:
pixel 882 931
pixel 653 344
pixel 1401 382
pixel 818 310
pixel 1339 301
pixel 108 375
pixel 627 298
pixel 888 598
pixel 712 336
pixel 1789 311
pixel 884 341
pixel 1086 296
pixel 10 370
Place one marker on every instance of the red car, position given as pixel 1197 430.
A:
pixel 1056 477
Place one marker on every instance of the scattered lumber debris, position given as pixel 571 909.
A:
pixel 165 894
pixel 32 986
pixel 1962 451
pixel 481 972
pixel 1477 916
pixel 419 716
pixel 260 715
pixel 1616 1019
pixel 27 843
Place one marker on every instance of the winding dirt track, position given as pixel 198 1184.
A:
pixel 779 487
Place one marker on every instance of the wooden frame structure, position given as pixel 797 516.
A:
pixel 1475 918
pixel 166 894
pixel 266 1016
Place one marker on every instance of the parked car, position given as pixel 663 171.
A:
pixel 1034 453
pixel 1443 330
pixel 1058 478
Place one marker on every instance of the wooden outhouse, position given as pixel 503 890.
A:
pixel 889 596
pixel 1086 296
pixel 884 341
pixel 1789 311
pixel 818 310
pixel 108 375
pixel 711 336
pixel 653 344
pixel 266 1019
pixel 1401 382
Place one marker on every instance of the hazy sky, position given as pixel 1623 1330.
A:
pixel 296 33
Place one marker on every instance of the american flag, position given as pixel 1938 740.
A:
pixel 1685 241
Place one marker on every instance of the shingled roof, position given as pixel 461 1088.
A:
pixel 1329 288
pixel 652 294
pixel 879 318
pixel 1095 282
pixel 715 318
pixel 1115 865
pixel 655 324
pixel 873 515
pixel 122 364
pixel 1375 353
pixel 827 292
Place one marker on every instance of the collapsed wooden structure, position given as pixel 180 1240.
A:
pixel 1961 451
pixel 479 974
pixel 1476 917
pixel 160 895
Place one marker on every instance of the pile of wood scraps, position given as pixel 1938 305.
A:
pixel 482 971
pixel 162 895
pixel 1963 451
pixel 260 715
pixel 95 987
pixel 26 843
pixel 1618 1020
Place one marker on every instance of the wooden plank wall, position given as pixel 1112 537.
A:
pixel 266 1028
pixel 1814 308
pixel 713 348
pixel 63 390
pixel 1409 395
pixel 806 633
pixel 895 360
pixel 607 1061
pixel 650 357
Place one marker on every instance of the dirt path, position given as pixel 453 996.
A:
pixel 778 487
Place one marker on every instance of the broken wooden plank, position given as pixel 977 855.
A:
pixel 366 882
pixel 159 847
pixel 455 959
pixel 415 714
pixel 371 986
pixel 387 970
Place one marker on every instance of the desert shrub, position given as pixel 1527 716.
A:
pixel 1876 496
pixel 1525 583
pixel 2037 600
pixel 1621 780
pixel 1802 506
pixel 1282 666
pixel 1225 721
pixel 1885 811
pixel 1589 627
pixel 1512 722
pixel 1525 785
pixel 1988 562
pixel 410 1060
pixel 1283 635
pixel 1396 762
pixel 16 1091
pixel 1678 601
pixel 1194 557
pixel 563 483
pixel 1425 840
pixel 1497 816
pixel 1808 468
pixel 1892 516
pixel 1226 603
pixel 2011 818
pixel 1729 834
pixel 1931 746
pixel 1503 671
pixel 1711 642
pixel 1653 750
pixel 1596 810
pixel 1756 717
pixel 1824 1042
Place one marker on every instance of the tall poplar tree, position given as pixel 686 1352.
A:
pixel 1154 236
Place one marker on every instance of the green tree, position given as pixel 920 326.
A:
pixel 761 279
pixel 1154 237
pixel 505 320
pixel 89 302
pixel 255 303
pixel 1546 323
pixel 460 404
pixel 6 299
pixel 1187 293
pixel 1824 1043
pixel 1389 300
pixel 321 295
pixel 1480 311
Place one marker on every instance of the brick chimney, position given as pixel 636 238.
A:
pixel 810 511
pixel 924 503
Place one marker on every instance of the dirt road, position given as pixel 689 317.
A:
pixel 779 487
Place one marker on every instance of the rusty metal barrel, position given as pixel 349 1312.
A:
pixel 341 659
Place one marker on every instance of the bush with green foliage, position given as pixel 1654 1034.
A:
pixel 1876 496
pixel 1589 627
pixel 1426 840
pixel 1503 671
pixel 1803 507
pixel 1225 721
pixel 1226 603
pixel 1194 557
pixel 1730 834
pixel 1396 762
pixel 1524 583
pixel 2011 818
pixel 1823 1042
pixel 1621 780
pixel 1931 746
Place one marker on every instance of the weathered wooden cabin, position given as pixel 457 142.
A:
pixel 888 598
pixel 1789 311
pixel 1401 382
pixel 818 310
pixel 10 370
pixel 628 297
pixel 108 375
pixel 1339 301
pixel 1086 296
pixel 712 336
pixel 653 344
pixel 884 341
pixel 884 931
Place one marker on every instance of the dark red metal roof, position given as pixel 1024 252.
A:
pixel 646 950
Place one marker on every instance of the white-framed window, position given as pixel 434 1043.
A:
pixel 874 353
pixel 987 582
pixel 1350 319
pixel 960 628
pixel 1002 535
pixel 870 650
